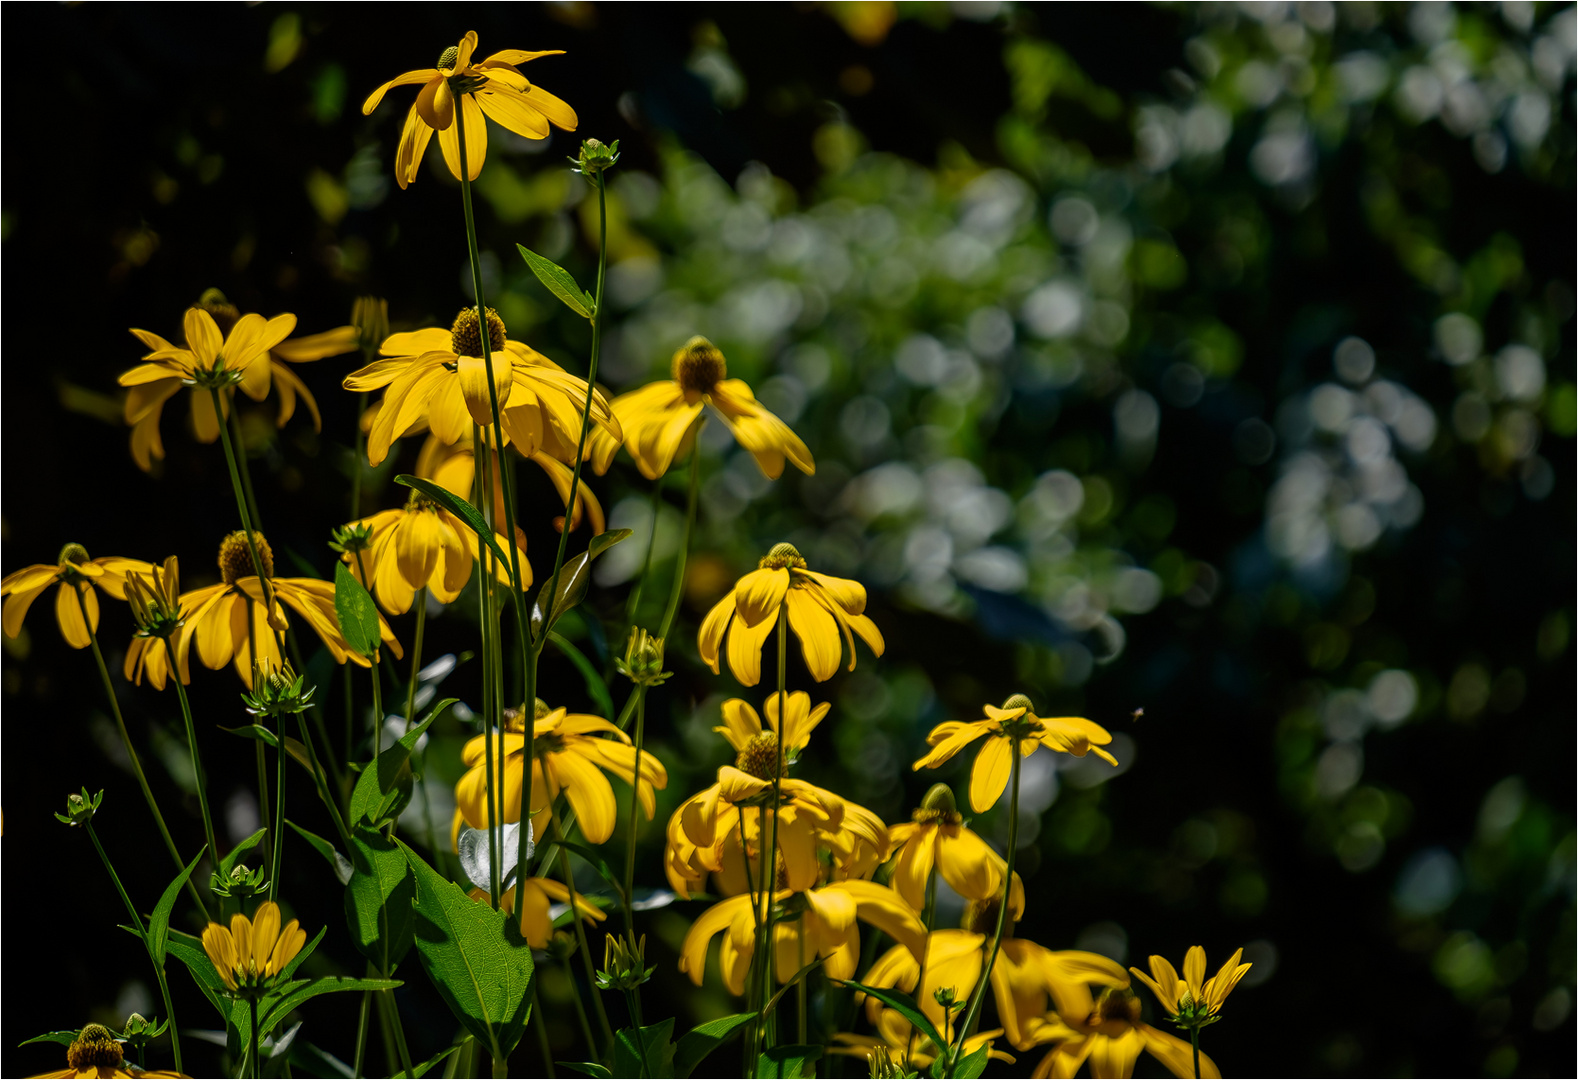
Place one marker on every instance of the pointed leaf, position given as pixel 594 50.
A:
pixel 788 1061
pixel 906 1007
pixel 159 921
pixel 652 1043
pixel 258 733
pixel 64 1038
pixel 239 852
pixel 574 577
pixel 475 956
pixel 277 1005
pixel 460 508
pixel 559 282
pixel 590 1068
pixel 595 861
pixel 703 1039
pixel 383 790
pixel 340 864
pixel 353 606
pixel 596 688
pixel 315 1061
pixel 971 1066
pixel 784 989
pixel 378 899
pixel 422 1068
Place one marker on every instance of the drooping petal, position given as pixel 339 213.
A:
pixel 417 541
pixel 967 864
pixel 741 724
pixel 745 649
pixel 406 79
pixel 68 613
pixel 414 137
pixel 473 375
pixel 1115 1056
pixel 989 775
pixel 22 593
pixel 849 595
pixel 476 140
pixel 913 868
pixel 759 593
pixel 511 110
pixel 1176 1055
pixel 713 627
pixel 590 794
pixel 693 952
pixel 814 625
pixel 203 337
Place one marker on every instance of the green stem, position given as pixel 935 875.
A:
pixel 131 909
pixel 241 458
pixel 279 812
pixel 754 885
pixel 420 600
pixel 197 761
pixel 136 763
pixel 1194 1042
pixel 633 1000
pixel 678 587
pixel 350 713
pixel 580 1009
pixel 580 931
pixel 770 856
pixel 247 525
pixel 635 808
pixel 979 993
pixel 320 781
pixel 361 1023
pixel 488 629
pixel 646 565
pixel 539 1022
pixel 263 815
pixel 391 1015
pixel 928 917
pixel 257 1065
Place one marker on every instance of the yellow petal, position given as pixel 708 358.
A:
pixel 590 794
pixel 414 137
pixel 221 951
pixel 693 951
pixel 710 637
pixel 417 541
pixel 436 105
pixel 847 594
pixel 1194 971
pixel 512 110
pixel 473 374
pixel 745 649
pixel 203 337
pixel 758 594
pixel 68 612
pixel 406 79
pixel 914 865
pixel 967 864
pixel 814 625
pixel 989 775
pixel 740 723
pixel 476 140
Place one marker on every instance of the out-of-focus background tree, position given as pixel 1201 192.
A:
pixel 1215 361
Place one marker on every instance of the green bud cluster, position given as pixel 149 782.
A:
pixel 80 808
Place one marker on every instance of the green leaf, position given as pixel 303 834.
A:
pixel 798 1061
pixel 475 956
pixel 574 577
pixel 596 688
pixel 382 791
pixel 654 1041
pixel 559 282
pixel 64 1038
pixel 703 1039
pixel 159 921
pixel 189 950
pixel 279 1003
pixel 905 1006
pixel 353 606
pixel 340 864
pixel 784 989
pixel 315 1061
pixel 460 508
pixel 595 861
pixel 378 899
pixel 590 1068
pixel 422 1068
pixel 972 1066
pixel 239 852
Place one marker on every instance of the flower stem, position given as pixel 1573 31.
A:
pixel 928 917
pixel 241 462
pixel 1194 1041
pixel 279 812
pixel 136 763
pixel 580 931
pixel 197 761
pixel 770 856
pixel 247 525
pixel 487 628
pixel 678 586
pixel 580 1009
pixel 420 602
pixel 361 1027
pixel 633 999
pixel 979 993
pixel 635 807
pixel 391 1018
pixel 158 968
pixel 540 1023
pixel 263 815
pixel 321 781
pixel 252 1009
pixel 634 603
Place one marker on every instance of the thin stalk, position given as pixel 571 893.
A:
pixel 350 713
pixel 678 586
pixel 753 885
pixel 1194 1042
pixel 580 1009
pixel 197 761
pixel 979 993
pixel 633 1000
pixel 634 602
pixel 580 931
pixel 136 763
pixel 257 1065
pixel 320 781
pixel 247 525
pixel 487 629
pixel 391 1015
pixel 361 1024
pixel 131 909
pixel 263 815
pixel 928 917
pixel 799 991
pixel 635 808
pixel 420 601
pixel 770 858
pixel 541 1028
pixel 279 812
pixel 246 471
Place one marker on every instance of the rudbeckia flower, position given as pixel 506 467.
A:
pixel 826 923
pixel 989 776
pixel 742 727
pixel 1194 1000
pixel 251 953
pixel 571 755
pixel 223 348
pixel 440 375
pixel 228 620
pixel 937 839
pixel 659 420
pixel 540 893
pixel 1108 1031
pixel 77 574
pixel 494 88
pixel 423 546
pixel 97 1053
pixel 452 466
pixel 823 611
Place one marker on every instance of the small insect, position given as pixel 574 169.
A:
pixel 1135 716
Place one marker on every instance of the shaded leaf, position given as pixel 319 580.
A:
pixel 703 1039
pixel 652 1041
pixel 279 1003
pixel 315 1061
pixel 383 790
pixel 422 1068
pixel 796 1060
pixel 784 989
pixel 64 1038
pixel 340 864
pixel 460 508
pixel 574 578
pixel 378 899
pixel 971 1066
pixel 906 1008
pixel 353 606
pixel 590 1068
pixel 159 921
pixel 239 852
pixel 559 282
pixel 596 688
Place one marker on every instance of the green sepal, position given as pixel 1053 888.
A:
pixel 475 957
pixel 574 577
pixel 703 1039
pixel 786 1061
pixel 383 791
pixel 460 508
pixel 340 864
pixel 655 1041
pixel 559 282
pixel 378 899
pixel 353 606
pixel 159 921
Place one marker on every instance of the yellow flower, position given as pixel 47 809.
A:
pixel 76 573
pixel 659 420
pixel 743 727
pixel 1015 720
pixel 823 611
pixel 494 88
pixel 439 375
pixel 228 620
pixel 423 546
pixel 252 357
pixel 570 756
pixel 1108 1031
pixel 1194 1000
pixel 536 924
pixel 452 465
pixel 826 919
pixel 937 838
pixel 97 1053
pixel 155 600
pixel 253 952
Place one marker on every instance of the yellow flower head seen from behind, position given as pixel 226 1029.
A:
pixel 251 953
pixel 494 88
pixel 824 612
pixel 938 839
pixel 1194 1000
pixel 1015 721
pixel 659 420
pixel 78 576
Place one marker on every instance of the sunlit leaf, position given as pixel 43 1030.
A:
pixel 559 282
pixel 703 1039
pixel 353 606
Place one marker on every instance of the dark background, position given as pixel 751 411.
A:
pixel 157 151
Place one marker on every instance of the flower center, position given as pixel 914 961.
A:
pixel 699 366
pixel 224 312
pixel 980 917
pixel 447 59
pixel 75 554
pixel 1019 701
pixel 94 1049
pixel 760 757
pixel 781 556
pixel 1118 1003
pixel 466 340
pixel 923 816
pixel 235 559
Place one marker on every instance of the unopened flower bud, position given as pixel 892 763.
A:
pixel 596 157
pixel 643 660
pixel 370 316
pixel 277 690
pixel 623 967
pixel 80 808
